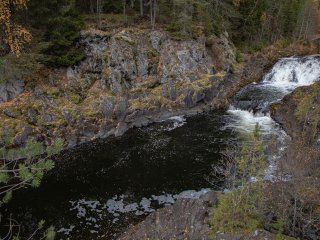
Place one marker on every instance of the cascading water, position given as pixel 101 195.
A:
pixel 290 73
pixel 102 187
pixel 252 104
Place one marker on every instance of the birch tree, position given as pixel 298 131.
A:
pixel 15 34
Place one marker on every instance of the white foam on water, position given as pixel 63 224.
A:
pixel 66 231
pixel 92 212
pixel 191 194
pixel 290 73
pixel 177 121
pixel 285 76
pixel 245 121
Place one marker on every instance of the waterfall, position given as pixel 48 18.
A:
pixel 290 73
pixel 251 105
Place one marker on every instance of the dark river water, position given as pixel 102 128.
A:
pixel 98 189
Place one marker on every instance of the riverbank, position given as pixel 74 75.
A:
pixel 298 114
pixel 147 165
pixel 114 89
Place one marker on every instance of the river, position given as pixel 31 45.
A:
pixel 100 188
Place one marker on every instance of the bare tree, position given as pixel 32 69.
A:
pixel 125 17
pixel 98 14
pixel 141 8
pixel 153 10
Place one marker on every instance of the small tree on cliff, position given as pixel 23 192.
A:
pixel 244 168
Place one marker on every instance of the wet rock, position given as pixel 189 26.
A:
pixel 121 128
pixel 186 219
pixel 141 121
pixel 11 89
pixel 107 129
pixel 71 140
pixel 121 109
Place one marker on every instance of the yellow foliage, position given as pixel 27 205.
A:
pixel 16 35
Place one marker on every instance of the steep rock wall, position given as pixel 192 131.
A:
pixel 130 79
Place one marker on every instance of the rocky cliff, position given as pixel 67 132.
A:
pixel 298 113
pixel 187 219
pixel 129 78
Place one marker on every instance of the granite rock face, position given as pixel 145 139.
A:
pixel 128 58
pixel 129 78
pixel 186 219
pixel 11 89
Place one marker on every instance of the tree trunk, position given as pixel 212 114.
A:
pixel 151 12
pixel 141 8
pixel 154 13
pixel 124 13
pixel 91 6
pixel 98 14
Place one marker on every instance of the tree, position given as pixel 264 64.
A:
pixel 243 170
pixel 61 23
pixel 141 8
pixel 22 167
pixel 125 17
pixel 16 35
pixel 153 12
pixel 98 14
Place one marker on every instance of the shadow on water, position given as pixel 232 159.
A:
pixel 164 158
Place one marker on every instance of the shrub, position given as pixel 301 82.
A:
pixel 235 214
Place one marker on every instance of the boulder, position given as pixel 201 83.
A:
pixel 11 89
pixel 186 219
